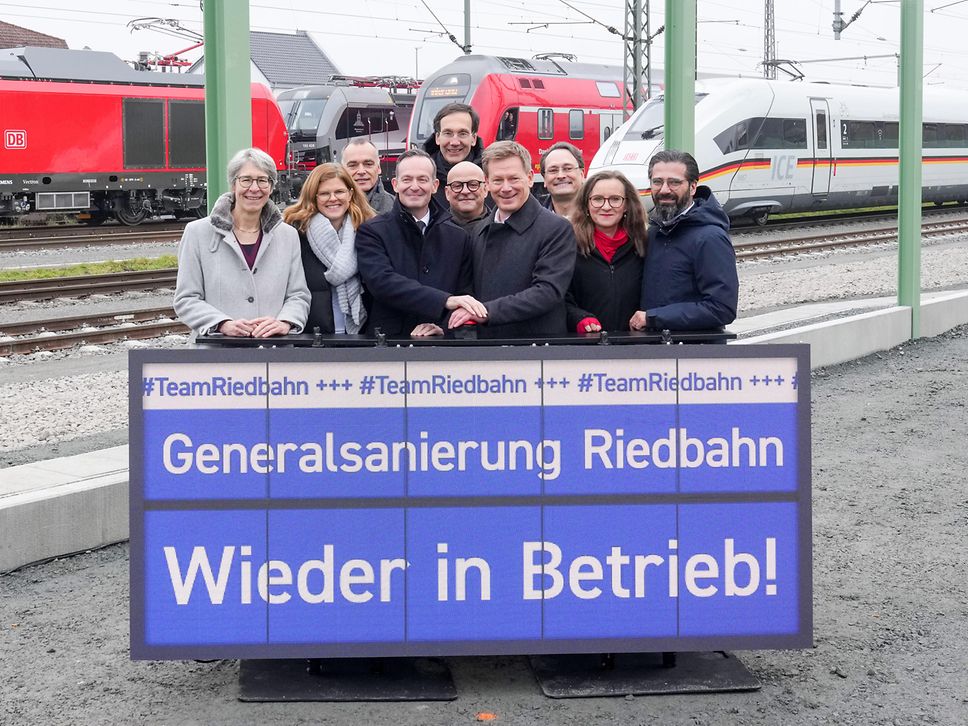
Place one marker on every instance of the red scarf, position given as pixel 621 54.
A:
pixel 608 246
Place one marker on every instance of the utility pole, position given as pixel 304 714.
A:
pixel 769 41
pixel 638 53
pixel 467 27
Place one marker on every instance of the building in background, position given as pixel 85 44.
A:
pixel 13 36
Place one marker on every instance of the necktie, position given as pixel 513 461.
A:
pixel 421 225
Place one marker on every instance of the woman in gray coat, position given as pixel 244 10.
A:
pixel 239 269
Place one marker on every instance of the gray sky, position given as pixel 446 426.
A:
pixel 369 37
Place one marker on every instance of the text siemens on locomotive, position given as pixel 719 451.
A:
pixel 767 146
pixel 84 133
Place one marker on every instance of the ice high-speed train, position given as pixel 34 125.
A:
pixel 769 147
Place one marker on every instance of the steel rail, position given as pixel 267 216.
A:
pixel 86 284
pixel 92 337
pixel 92 319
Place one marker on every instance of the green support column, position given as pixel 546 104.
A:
pixel 228 100
pixel 910 159
pixel 680 75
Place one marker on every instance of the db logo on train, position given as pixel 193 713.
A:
pixel 14 139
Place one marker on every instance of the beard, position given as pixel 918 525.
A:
pixel 668 208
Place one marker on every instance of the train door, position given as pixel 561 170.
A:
pixel 820 110
pixel 608 122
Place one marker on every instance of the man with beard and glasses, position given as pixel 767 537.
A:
pixel 690 280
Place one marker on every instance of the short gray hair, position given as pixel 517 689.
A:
pixel 256 156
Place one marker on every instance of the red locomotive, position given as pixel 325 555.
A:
pixel 84 133
pixel 534 102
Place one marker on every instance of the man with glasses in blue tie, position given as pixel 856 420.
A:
pixel 690 280
pixel 466 192
pixel 455 140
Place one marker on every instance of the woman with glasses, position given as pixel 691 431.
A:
pixel 239 271
pixel 329 211
pixel 610 226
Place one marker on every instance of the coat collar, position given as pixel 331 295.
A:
pixel 221 216
pixel 523 218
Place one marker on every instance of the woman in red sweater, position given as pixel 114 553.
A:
pixel 610 226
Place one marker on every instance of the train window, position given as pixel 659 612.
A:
pixel 524 82
pixel 186 133
pixel 821 121
pixel 929 135
pixel 143 122
pixel 739 135
pixel 546 123
pixel 508 127
pixel 359 121
pixel 868 134
pixel 576 124
pixel 537 83
pixel 954 134
pixel 794 133
pixel 607 89
pixel 307 115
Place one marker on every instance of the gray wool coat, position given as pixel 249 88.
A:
pixel 215 284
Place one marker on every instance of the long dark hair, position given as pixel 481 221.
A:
pixel 634 220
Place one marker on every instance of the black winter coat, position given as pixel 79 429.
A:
pixel 410 275
pixel 522 269
pixel 690 280
pixel 321 303
pixel 608 291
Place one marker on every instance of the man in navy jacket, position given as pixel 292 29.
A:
pixel 414 261
pixel 690 280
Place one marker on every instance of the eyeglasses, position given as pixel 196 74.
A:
pixel 462 135
pixel 556 170
pixel 614 201
pixel 673 183
pixel 338 194
pixel 245 182
pixel 472 186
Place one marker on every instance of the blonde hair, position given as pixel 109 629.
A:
pixel 299 214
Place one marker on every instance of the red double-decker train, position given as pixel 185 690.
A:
pixel 534 102
pixel 84 133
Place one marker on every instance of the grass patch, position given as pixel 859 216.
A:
pixel 136 264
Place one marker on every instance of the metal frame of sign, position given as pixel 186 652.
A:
pixel 140 507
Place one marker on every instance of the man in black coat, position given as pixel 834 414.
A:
pixel 414 261
pixel 524 255
pixel 455 140
pixel 690 280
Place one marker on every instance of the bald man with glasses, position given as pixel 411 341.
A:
pixel 465 192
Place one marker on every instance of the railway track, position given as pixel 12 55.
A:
pixel 835 240
pixel 72 237
pixel 86 285
pixel 92 329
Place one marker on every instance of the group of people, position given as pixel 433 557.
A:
pixel 462 242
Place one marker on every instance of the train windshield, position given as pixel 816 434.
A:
pixel 303 118
pixel 650 123
pixel 452 88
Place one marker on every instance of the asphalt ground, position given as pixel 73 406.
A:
pixel 890 511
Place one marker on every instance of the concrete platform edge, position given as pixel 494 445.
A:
pixel 50 521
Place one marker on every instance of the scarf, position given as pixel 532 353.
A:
pixel 337 251
pixel 608 246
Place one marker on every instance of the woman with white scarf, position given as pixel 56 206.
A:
pixel 329 210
